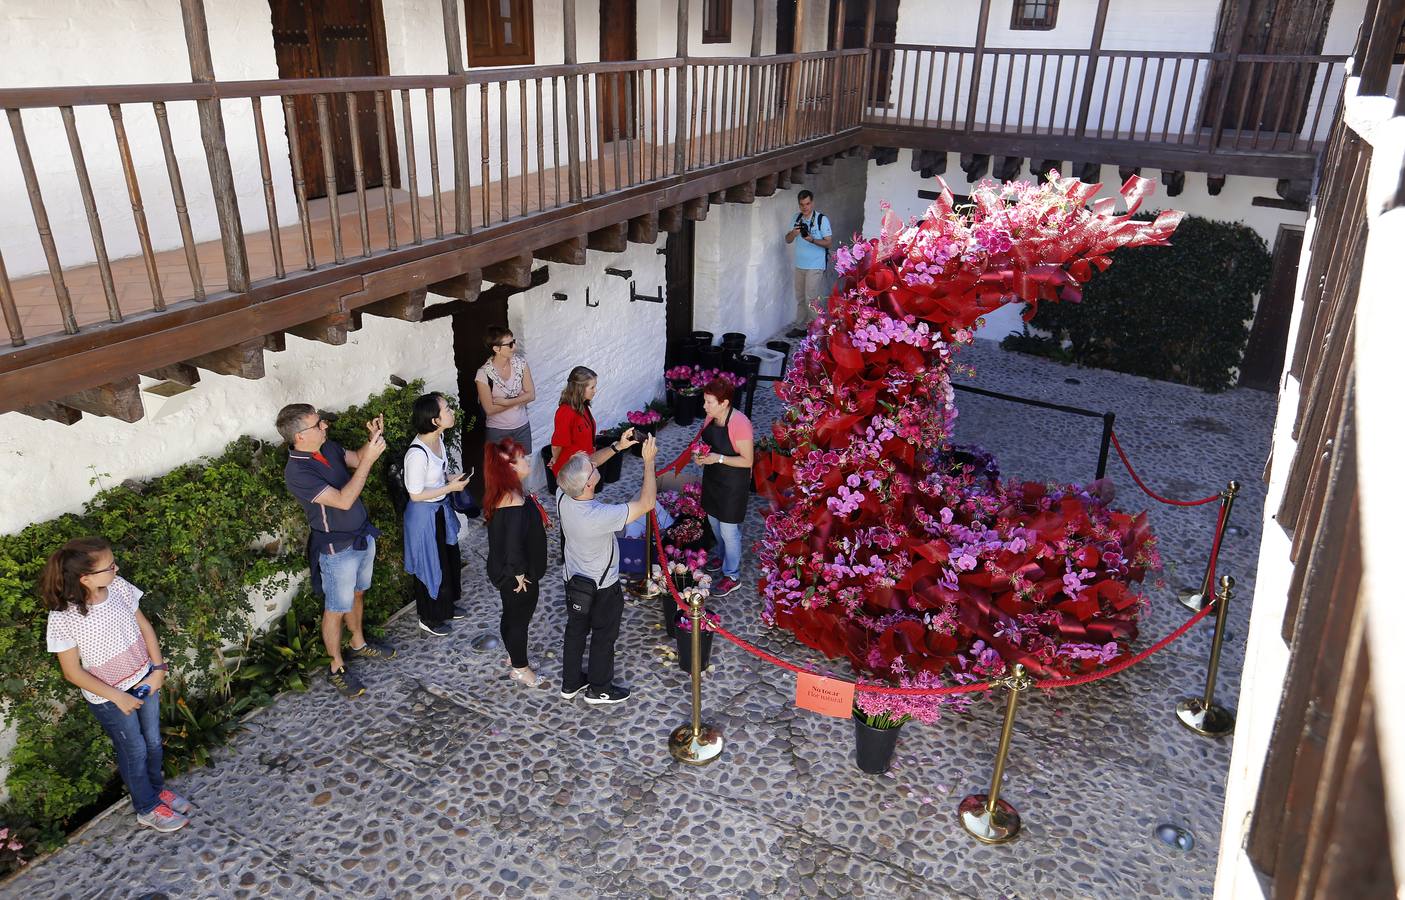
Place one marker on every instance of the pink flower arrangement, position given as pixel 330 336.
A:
pixel 703 377
pixel 699 448
pixel 917 570
pixel 644 417
pixel 680 373
pixel 710 621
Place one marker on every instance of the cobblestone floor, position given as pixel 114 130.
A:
pixel 449 780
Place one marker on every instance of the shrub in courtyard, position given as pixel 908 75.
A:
pixel 1177 313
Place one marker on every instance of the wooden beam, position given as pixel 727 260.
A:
pixel 928 163
pixel 1214 184
pixel 717 197
pixel 975 165
pixel 1007 168
pixel 52 412
pixel 570 252
pixel 783 179
pixel 568 56
pixel 120 399
pixel 540 276
pixel 1174 181
pixel 243 360
pixel 827 160
pixel 1125 172
pixel 211 117
pixel 180 373
pixel 741 193
pixel 329 329
pixel 1045 165
pixel 812 167
pixel 977 59
pixel 464 286
pixel 797 174
pixel 681 106
pixel 695 210
pixel 1090 73
pixel 408 306
pixel 882 156
pixel 276 342
pixel 644 229
pixel 516 271
pixel 458 117
pixel 1088 172
pixel 611 239
pixel 671 218
pixel 766 186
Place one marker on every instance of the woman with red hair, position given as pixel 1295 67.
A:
pixel 726 481
pixel 516 547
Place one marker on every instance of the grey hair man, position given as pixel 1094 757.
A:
pixel 588 528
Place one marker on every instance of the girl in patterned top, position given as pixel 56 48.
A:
pixel 108 649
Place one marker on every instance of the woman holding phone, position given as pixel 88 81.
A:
pixel 431 525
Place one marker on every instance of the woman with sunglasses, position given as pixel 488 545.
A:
pixel 504 389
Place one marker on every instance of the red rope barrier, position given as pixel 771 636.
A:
pixel 1122 454
pixel 950 689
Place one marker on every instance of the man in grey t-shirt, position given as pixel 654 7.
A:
pixel 588 529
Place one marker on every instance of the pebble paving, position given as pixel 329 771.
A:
pixel 449 780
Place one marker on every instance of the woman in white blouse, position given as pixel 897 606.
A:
pixel 504 389
pixel 431 525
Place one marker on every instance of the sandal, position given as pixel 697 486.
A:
pixel 526 677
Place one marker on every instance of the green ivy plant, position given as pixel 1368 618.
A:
pixel 1179 313
pixel 205 542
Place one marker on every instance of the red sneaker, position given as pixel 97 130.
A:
pixel 725 587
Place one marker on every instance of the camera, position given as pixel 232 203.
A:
pixel 804 229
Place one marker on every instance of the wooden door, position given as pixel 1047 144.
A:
pixel 334 39
pixel 785 26
pixel 885 22
pixel 1259 96
pixel 1268 342
pixel 678 283
pixel 616 90
pixel 469 354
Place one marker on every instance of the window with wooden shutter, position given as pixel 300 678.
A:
pixel 717 21
pixel 499 32
pixel 1033 15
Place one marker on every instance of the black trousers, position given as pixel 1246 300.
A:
pixel 438 609
pixel 603 627
pixel 517 611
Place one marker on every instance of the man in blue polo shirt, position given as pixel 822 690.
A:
pixel 811 259
pixel 327 482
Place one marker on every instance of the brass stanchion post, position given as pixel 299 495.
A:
pixel 1196 600
pixel 696 743
pixel 986 817
pixel 1200 714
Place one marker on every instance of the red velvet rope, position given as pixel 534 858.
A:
pixel 1148 491
pixel 959 688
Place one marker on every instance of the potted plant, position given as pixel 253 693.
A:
pixel 878 717
pixel 875 736
pixel 681 393
pixel 644 422
pixel 683 634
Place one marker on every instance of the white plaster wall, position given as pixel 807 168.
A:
pixel 622 341
pixel 76 42
pixel 48 466
pixel 743 268
pixel 898 184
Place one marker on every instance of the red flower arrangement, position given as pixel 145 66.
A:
pixel 882 549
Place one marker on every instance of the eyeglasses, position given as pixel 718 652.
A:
pixel 320 423
pixel 510 344
pixel 111 568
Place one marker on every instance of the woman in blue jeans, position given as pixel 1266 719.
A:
pixel 108 650
pixel 726 482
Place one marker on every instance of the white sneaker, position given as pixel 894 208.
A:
pixel 163 819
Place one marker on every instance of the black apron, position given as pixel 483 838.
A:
pixel 725 489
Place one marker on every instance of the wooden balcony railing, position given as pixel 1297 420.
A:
pixel 481 150
pixel 1262 112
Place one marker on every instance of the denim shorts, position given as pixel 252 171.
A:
pixel 344 573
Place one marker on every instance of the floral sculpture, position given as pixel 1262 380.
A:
pixel 885 547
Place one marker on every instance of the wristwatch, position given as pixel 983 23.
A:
pixel 164 667
pixel 614 445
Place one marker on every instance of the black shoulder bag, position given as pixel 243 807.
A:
pixel 580 589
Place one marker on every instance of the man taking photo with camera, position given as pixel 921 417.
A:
pixel 811 259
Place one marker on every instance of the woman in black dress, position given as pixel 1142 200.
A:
pixel 516 547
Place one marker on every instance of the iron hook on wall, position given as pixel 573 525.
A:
pixel 588 304
pixel 647 298
pixel 626 274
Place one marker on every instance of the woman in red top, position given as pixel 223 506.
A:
pixel 575 424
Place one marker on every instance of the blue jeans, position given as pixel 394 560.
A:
pixel 729 535
pixel 137 740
